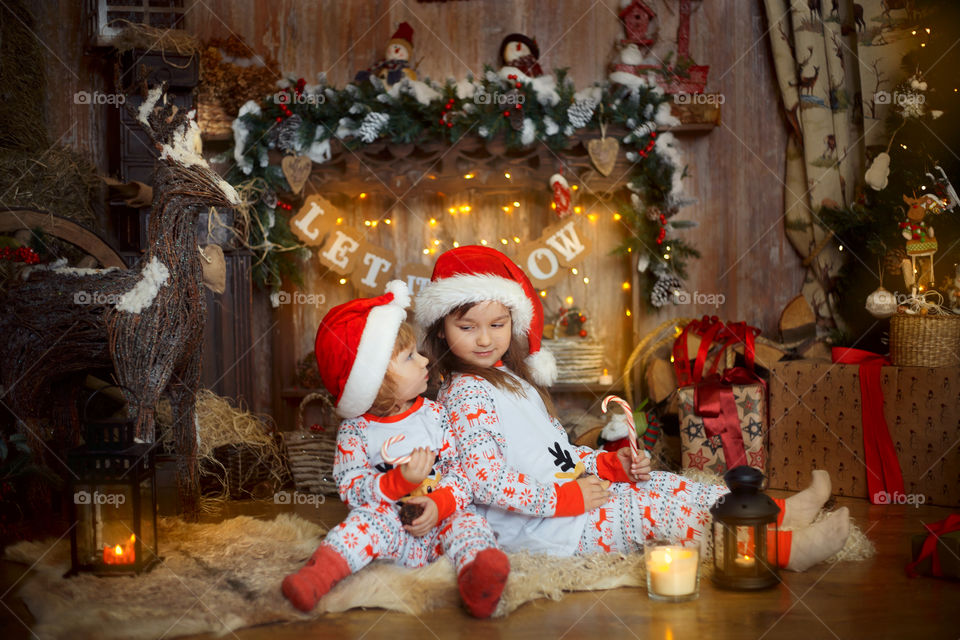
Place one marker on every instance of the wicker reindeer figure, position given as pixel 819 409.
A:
pixel 146 322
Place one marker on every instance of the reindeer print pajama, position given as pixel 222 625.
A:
pixel 372 487
pixel 519 461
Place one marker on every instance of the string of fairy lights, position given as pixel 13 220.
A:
pixel 436 245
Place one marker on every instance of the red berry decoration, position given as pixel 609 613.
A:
pixel 506 114
pixel 583 333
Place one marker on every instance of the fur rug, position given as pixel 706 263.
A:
pixel 221 577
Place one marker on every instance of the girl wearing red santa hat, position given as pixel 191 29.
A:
pixel 483 323
pixel 391 443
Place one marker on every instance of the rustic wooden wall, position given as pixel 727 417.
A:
pixel 735 171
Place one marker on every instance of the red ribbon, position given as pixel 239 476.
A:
pixel 713 400
pixel 883 468
pixel 929 549
pixel 710 329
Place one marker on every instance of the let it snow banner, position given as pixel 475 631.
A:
pixel 343 250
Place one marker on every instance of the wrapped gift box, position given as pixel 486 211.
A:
pixel 815 423
pixel 704 452
pixel 948 550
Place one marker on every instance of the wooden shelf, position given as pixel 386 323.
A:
pixel 587 387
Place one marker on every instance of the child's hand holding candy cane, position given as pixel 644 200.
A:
pixel 635 462
pixel 415 466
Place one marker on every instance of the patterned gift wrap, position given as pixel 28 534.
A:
pixel 705 453
pixel 815 423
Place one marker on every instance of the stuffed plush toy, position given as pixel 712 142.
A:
pixel 396 64
pixel 522 53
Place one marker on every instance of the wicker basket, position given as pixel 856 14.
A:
pixel 310 452
pixel 248 474
pixel 925 341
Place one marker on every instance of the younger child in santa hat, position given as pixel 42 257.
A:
pixel 483 323
pixel 392 441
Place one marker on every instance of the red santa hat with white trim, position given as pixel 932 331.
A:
pixel 355 344
pixel 471 274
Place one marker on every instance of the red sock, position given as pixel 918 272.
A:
pixel 782 503
pixel 482 581
pixel 324 569
pixel 784 540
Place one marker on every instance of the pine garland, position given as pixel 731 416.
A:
pixel 309 117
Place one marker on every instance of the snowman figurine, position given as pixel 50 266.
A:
pixel 396 64
pixel 521 53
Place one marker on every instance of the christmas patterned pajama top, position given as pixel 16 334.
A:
pixel 371 487
pixel 521 467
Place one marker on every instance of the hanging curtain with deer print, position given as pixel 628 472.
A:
pixel 833 58
pixel 817 73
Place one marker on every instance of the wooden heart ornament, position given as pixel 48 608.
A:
pixel 296 169
pixel 603 152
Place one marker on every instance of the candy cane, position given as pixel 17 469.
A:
pixel 392 440
pixel 632 432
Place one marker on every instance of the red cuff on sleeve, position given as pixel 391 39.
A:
pixel 569 500
pixel 394 485
pixel 446 503
pixel 610 468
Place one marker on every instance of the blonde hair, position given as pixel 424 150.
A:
pixel 444 363
pixel 387 396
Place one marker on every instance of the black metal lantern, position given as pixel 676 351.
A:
pixel 745 533
pixel 114 507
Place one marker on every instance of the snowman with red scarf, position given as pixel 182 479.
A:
pixel 521 53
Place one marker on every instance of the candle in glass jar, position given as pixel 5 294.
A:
pixel 672 570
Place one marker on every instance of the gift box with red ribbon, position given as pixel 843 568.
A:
pixel 723 415
pixel 883 432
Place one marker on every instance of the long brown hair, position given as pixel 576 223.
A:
pixel 387 395
pixel 443 362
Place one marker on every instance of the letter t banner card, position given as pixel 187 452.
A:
pixel 374 269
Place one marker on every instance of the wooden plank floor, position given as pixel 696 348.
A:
pixel 871 599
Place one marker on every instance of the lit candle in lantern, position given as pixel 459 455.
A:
pixel 672 572
pixel 125 554
pixel 744 561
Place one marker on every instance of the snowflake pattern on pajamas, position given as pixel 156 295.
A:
pixel 665 506
pixel 373 529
